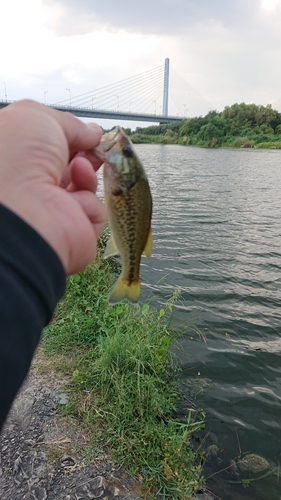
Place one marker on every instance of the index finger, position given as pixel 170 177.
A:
pixel 80 136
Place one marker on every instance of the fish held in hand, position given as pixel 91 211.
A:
pixel 129 203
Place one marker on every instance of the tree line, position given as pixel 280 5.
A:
pixel 239 125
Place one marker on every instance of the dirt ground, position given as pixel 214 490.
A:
pixel 39 451
pixel 41 454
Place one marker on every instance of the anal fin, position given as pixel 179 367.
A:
pixel 111 248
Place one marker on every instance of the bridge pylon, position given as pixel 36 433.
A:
pixel 166 87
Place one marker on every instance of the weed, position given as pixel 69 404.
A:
pixel 123 381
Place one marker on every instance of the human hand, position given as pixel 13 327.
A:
pixel 47 177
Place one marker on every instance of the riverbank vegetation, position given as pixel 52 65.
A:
pixel 123 382
pixel 239 125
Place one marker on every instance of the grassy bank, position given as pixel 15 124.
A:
pixel 123 382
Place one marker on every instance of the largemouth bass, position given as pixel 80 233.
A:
pixel 129 203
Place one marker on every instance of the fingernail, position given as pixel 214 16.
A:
pixel 95 126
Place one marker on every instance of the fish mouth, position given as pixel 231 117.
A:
pixel 108 141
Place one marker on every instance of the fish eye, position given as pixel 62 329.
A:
pixel 127 151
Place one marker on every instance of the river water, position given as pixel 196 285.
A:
pixel 217 239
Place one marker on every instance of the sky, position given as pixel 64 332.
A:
pixel 229 51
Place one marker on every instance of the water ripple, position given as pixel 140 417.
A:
pixel 217 238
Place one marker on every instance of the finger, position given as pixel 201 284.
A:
pixel 93 207
pixel 66 178
pixel 95 161
pixel 80 136
pixel 80 176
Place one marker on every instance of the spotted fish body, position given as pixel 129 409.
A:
pixel 129 204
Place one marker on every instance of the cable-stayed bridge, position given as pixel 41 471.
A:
pixel 159 95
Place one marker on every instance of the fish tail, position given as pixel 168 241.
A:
pixel 124 290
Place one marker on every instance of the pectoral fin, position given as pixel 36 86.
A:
pixel 111 248
pixel 148 246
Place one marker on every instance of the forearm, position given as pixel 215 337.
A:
pixel 32 280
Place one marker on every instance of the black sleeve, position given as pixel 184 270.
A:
pixel 32 280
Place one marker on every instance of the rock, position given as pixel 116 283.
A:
pixel 63 398
pixel 39 493
pixel 17 464
pixel 91 489
pixel 132 496
pixel 212 451
pixel 22 410
pixel 115 486
pixel 67 461
pixel 212 436
pixel 253 463
pixel 233 468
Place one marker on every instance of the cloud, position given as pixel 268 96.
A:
pixel 160 17
pixel 228 51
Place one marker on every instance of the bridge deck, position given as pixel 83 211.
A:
pixel 110 115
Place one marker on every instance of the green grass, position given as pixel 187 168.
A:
pixel 123 382
pixel 269 145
